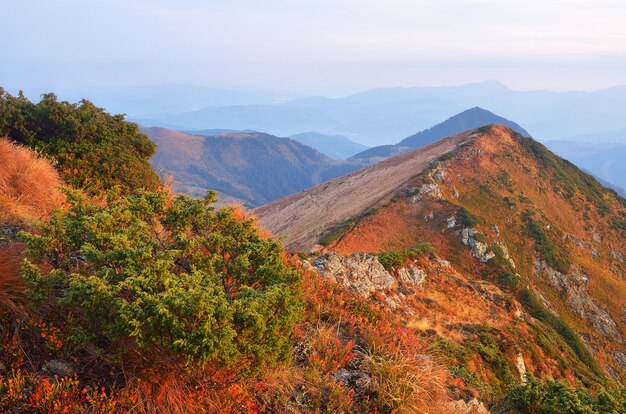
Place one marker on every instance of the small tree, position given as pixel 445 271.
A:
pixel 169 276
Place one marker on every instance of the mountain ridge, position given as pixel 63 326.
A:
pixel 470 118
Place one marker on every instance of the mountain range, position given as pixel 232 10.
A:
pixel 381 116
pixel 258 168
pixel 471 118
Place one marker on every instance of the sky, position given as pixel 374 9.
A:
pixel 319 47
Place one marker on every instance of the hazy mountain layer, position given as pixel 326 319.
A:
pixel 471 118
pixel 381 116
pixel 334 146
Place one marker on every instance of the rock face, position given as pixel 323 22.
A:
pixel 470 407
pixel 428 191
pixel 359 272
pixel 479 249
pixel 573 286
pixel 521 367
pixel 411 275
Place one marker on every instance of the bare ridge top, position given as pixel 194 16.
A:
pixel 301 218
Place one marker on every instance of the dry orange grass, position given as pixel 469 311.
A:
pixel 29 185
pixel 11 284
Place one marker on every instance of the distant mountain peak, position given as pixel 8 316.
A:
pixel 471 118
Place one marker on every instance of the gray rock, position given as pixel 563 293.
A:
pixel 411 275
pixel 617 256
pixel 620 357
pixel 60 368
pixel 505 252
pixel 521 367
pixel 495 229
pixel 470 407
pixel 451 222
pixel 359 272
pixel 573 287
pixel 359 381
pixel 428 191
pixel 439 174
pixel 479 249
pixel 429 217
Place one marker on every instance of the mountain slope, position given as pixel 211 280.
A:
pixel 302 218
pixel 466 120
pixel 334 146
pixel 604 160
pixel 526 270
pixel 255 168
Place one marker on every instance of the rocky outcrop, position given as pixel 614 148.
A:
pixel 451 222
pixel 410 275
pixel 521 367
pixel 505 252
pixel 573 287
pixel 470 407
pixel 479 249
pixel 359 272
pixel 427 191
pixel 620 357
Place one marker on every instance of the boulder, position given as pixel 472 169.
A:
pixel 60 368
pixel 359 272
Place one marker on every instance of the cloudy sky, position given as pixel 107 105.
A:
pixel 327 47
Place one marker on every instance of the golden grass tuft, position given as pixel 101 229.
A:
pixel 11 283
pixel 405 381
pixel 29 185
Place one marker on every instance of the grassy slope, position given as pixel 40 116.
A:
pixel 500 177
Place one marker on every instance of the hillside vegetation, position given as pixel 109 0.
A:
pixel 92 149
pixel 525 269
pixel 117 296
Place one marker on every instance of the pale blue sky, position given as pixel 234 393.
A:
pixel 312 46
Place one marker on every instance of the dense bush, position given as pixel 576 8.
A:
pixel 92 149
pixel 467 219
pixel 558 397
pixel 169 276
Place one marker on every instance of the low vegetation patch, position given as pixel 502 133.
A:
pixel 398 258
pixel 553 255
pixel 558 397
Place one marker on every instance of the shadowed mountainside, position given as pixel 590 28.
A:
pixel 252 167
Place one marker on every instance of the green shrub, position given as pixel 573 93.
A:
pixel 466 218
pixel 549 252
pixel 558 397
pixel 560 326
pixel 93 150
pixel 168 276
pixel 398 258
